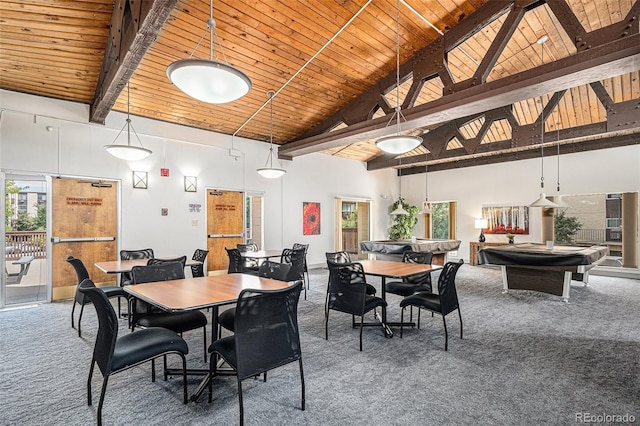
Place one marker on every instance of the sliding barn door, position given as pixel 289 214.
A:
pixel 84 225
pixel 225 226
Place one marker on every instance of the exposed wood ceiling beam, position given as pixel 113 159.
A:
pixel 609 60
pixel 135 25
pixel 607 52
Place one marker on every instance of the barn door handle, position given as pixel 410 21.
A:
pixel 56 240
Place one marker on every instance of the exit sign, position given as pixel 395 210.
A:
pixel 164 172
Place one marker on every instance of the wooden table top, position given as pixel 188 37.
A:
pixel 261 254
pixel 391 269
pixel 202 292
pixel 119 266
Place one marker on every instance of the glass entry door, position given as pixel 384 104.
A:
pixel 24 279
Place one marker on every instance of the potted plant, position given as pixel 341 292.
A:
pixel 403 224
pixel 510 236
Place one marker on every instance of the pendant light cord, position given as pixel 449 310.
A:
pixel 542 41
pixel 398 64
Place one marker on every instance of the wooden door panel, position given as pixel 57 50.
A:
pixel 81 211
pixel 225 226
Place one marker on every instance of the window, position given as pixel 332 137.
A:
pixel 441 222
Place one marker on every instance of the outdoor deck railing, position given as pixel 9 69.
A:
pixel 23 243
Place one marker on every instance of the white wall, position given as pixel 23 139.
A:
pixel 74 147
pixel 26 146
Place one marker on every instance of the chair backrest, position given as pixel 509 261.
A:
pixel 82 274
pixel 107 325
pixel 158 272
pixel 306 249
pixel 247 247
pixel 199 256
pixel 153 261
pixel 418 257
pixel 296 258
pixel 235 261
pixel 274 270
pixel 133 254
pixel 347 287
pixel 266 329
pixel 447 287
pixel 338 257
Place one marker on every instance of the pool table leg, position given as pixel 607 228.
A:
pixel 505 281
pixel 566 285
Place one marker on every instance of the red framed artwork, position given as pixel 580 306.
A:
pixel 506 219
pixel 310 218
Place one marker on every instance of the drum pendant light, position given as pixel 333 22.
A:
pixel 542 201
pixel 209 80
pixel 128 152
pixel 268 171
pixel 398 143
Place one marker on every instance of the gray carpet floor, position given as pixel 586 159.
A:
pixel 526 359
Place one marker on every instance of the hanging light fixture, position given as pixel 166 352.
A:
pixel 209 80
pixel 268 171
pixel 542 201
pixel 425 205
pixel 558 200
pixel 128 152
pixel 398 143
pixel 400 210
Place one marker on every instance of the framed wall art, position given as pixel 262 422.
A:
pixel 310 218
pixel 506 219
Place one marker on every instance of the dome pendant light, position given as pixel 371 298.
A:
pixel 398 143
pixel 209 80
pixel 128 152
pixel 542 201
pixel 268 171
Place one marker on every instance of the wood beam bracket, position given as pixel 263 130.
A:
pixel 135 25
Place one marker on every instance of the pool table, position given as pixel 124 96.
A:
pixel 531 266
pixel 394 249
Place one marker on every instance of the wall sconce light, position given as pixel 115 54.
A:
pixel 190 183
pixel 140 180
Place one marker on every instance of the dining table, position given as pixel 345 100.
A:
pixel 120 266
pixel 260 254
pixel 392 269
pixel 190 294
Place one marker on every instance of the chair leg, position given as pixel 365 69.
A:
pixel 401 320
pixel 89 382
pixel 302 382
pixel 73 309
pixel 361 327
pixel 240 402
pixel 119 314
pixel 419 318
pixel 164 367
pixel 326 324
pixel 446 335
pixel 104 390
pixel 460 316
pixel 80 320
pixel 153 370
pixel 185 397
pixel 213 367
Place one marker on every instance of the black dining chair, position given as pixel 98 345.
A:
pixel 249 264
pixel 443 303
pixel 199 255
pixel 414 283
pixel 306 267
pixel 181 260
pixel 114 353
pixel 268 269
pixel 296 258
pixel 125 277
pixel 266 337
pixel 348 294
pixel 145 315
pixel 80 298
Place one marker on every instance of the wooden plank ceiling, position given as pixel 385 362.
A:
pixel 56 48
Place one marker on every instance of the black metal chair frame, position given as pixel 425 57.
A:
pixel 443 303
pixel 199 255
pixel 306 268
pixel 125 277
pixel 256 348
pixel 81 299
pixel 348 293
pixel 132 351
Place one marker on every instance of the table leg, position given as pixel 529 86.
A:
pixel 214 336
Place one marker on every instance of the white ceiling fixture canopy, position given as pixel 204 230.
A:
pixel 209 80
